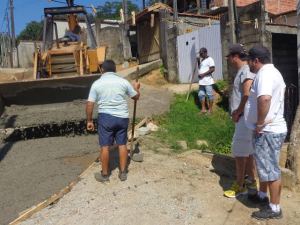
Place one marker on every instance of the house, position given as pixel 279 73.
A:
pixel 176 42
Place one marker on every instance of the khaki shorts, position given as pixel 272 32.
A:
pixel 242 141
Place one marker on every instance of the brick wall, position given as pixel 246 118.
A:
pixel 280 6
pixel 272 6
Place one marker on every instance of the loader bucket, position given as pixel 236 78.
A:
pixel 46 91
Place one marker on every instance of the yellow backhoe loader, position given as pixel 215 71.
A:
pixel 65 67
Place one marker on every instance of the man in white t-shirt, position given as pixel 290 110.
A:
pixel 242 141
pixel 264 115
pixel 206 68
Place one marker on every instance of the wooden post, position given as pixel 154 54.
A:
pixel 232 36
pixel 98 31
pixel 175 10
pixel 263 23
pixel 81 59
pixel 198 6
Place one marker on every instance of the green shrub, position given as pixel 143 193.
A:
pixel 221 85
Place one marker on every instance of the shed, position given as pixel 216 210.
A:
pixel 158 33
pixel 148 33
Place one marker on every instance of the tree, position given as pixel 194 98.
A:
pixel 33 31
pixel 152 2
pixel 111 10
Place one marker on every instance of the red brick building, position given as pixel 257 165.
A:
pixel 274 7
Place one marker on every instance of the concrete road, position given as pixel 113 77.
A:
pixel 33 170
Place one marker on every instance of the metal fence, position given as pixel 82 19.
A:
pixel 290 106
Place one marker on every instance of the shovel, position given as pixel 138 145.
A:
pixel 191 81
pixel 135 153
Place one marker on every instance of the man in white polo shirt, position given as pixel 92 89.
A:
pixel 206 81
pixel 110 92
pixel 264 115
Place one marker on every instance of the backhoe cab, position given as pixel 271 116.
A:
pixel 75 53
pixel 64 68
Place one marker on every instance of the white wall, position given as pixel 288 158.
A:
pixel 188 46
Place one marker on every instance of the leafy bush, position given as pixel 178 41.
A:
pixel 221 85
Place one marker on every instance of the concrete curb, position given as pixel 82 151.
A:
pixel 143 69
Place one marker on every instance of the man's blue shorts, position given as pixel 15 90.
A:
pixel 206 90
pixel 267 153
pixel 111 128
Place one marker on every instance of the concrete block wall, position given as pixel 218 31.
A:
pixel 25 52
pixel 111 37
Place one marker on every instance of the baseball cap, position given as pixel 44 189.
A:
pixel 203 50
pixel 258 51
pixel 236 49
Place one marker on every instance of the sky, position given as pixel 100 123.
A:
pixel 29 10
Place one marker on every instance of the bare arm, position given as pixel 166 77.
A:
pixel 246 91
pixel 210 71
pixel 89 115
pixel 263 107
pixel 136 86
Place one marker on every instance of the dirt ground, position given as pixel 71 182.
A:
pixel 164 189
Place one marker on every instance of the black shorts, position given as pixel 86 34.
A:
pixel 112 129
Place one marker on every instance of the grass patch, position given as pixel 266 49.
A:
pixel 183 122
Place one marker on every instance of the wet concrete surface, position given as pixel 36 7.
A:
pixel 31 171
pixel 153 101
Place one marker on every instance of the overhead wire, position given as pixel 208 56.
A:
pixel 5 15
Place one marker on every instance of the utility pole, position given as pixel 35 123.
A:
pixel 9 41
pixel 263 22
pixel 12 32
pixel 175 10
pixel 144 4
pixel 12 23
pixel 126 44
pixel 231 21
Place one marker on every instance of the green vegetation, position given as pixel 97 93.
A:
pixel 111 9
pixel 221 85
pixel 183 122
pixel 33 31
pixel 162 70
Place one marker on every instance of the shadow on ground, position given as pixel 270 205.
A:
pixel 224 167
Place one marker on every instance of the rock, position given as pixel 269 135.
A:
pixel 182 144
pixel 125 64
pixel 143 131
pixel 152 126
pixel 202 143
